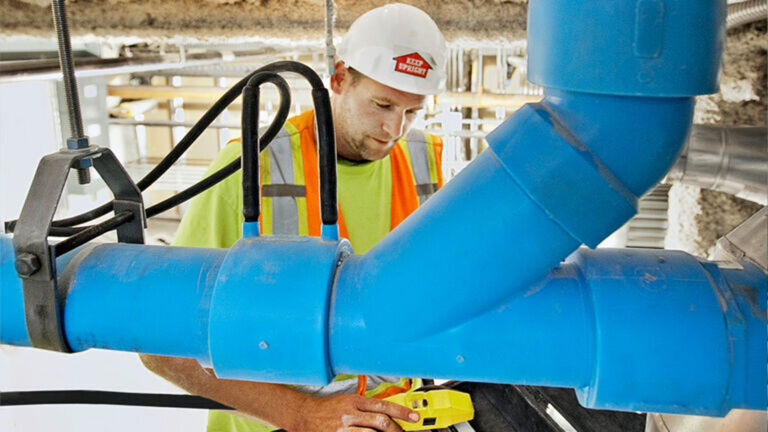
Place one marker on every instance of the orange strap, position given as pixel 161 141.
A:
pixel 362 383
pixel 404 198
pixel 393 390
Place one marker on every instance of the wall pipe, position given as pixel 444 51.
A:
pixel 730 159
pixel 639 330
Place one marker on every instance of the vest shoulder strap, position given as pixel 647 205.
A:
pixel 422 155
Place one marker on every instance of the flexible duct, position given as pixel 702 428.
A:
pixel 731 159
pixel 746 12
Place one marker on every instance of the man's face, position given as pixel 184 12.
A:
pixel 370 117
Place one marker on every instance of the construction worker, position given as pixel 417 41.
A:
pixel 391 58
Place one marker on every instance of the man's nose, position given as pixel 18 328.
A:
pixel 394 124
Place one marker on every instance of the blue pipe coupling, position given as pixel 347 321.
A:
pixel 269 311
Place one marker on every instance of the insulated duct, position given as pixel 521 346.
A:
pixel 730 159
pixel 746 12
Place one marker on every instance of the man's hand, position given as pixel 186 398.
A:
pixel 352 413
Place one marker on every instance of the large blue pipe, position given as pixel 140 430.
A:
pixel 630 330
pixel 124 297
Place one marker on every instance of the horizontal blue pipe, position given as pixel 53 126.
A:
pixel 124 297
pixel 630 330
pixel 149 299
pixel 636 330
pixel 13 326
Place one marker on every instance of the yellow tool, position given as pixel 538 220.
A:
pixel 437 408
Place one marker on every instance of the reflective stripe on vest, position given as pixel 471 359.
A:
pixel 286 194
pixel 420 153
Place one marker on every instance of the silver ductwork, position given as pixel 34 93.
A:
pixel 731 159
pixel 748 241
pixel 746 12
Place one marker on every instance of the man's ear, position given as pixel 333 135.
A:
pixel 339 77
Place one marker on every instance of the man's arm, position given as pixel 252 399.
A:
pixel 280 405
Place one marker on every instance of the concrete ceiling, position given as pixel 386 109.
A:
pixel 299 20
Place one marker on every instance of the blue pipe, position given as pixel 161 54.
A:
pixel 148 299
pixel 13 326
pixel 124 297
pixel 560 173
pixel 638 330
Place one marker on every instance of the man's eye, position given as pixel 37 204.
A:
pixel 382 105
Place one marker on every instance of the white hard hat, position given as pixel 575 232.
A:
pixel 399 46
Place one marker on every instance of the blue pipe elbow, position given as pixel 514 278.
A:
pixel 557 175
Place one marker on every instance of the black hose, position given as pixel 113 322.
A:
pixel 273 129
pixel 327 147
pixel 91 233
pixel 329 209
pixel 98 397
pixel 250 138
pixel 163 166
pixel 94 397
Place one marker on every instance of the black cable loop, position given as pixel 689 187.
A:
pixel 327 153
pixel 250 138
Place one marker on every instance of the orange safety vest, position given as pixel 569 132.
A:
pixel 290 183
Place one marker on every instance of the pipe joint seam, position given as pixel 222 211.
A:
pixel 562 175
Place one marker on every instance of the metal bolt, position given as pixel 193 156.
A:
pixel 460 358
pixel 27 264
pixel 263 345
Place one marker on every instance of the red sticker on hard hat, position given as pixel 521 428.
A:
pixel 412 64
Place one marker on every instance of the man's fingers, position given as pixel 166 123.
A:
pixel 389 408
pixel 357 429
pixel 378 421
